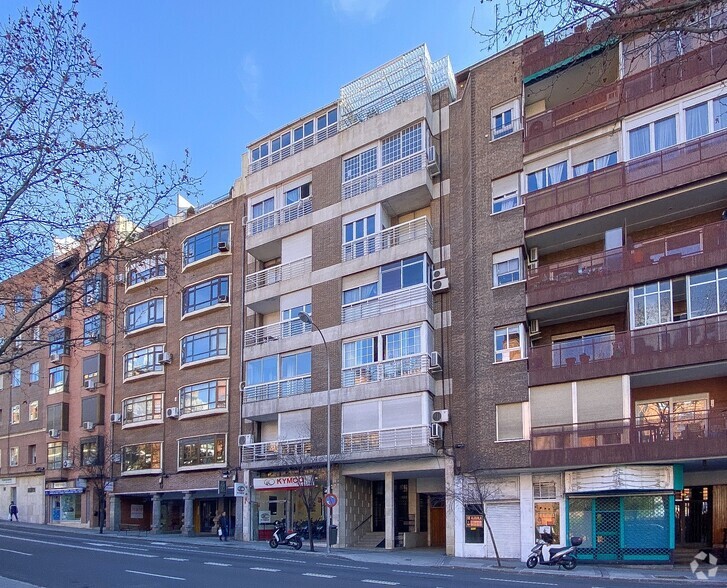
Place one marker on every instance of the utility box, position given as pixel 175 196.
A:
pixel 333 535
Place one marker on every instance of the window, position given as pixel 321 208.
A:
pixel 58 379
pixel 719 112
pixel 402 343
pixel 359 165
pixel 697 120
pixel 92 451
pixel 474 523
pixel 297 194
pixel 202 397
pixel 200 451
pixel 94 329
pixel 15 415
pixel 547 519
pixel 509 343
pixel 361 352
pixel 36 295
pixel 401 145
pixel 141 409
pixel 505 119
pixel 33 410
pixel 57 416
pixel 95 290
pixel 572 350
pixel 3 311
pixel 17 377
pixel 358 237
pixel 404 273
pixel 291 324
pixel 32 455
pixel 653 136
pixel 19 303
pixel 36 333
pixel 708 292
pixel 57 454
pixel 14 456
pixel 205 244
pixel 94 369
pixel 294 373
pixel 95 255
pixel 144 314
pixel 505 193
pixel 141 457
pixel 205 345
pixel 35 371
pixel 262 215
pixel 595 164
pixel 545 177
pixel 360 293
pixel 154 266
pixel 651 304
pixel 60 305
pixel 507 267
pixel 205 294
pixel 93 409
pixel 142 361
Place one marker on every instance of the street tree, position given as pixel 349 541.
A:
pixel 76 182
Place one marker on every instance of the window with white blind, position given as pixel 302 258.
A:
pixel 294 425
pixel 506 193
pixel 509 421
pixel 600 400
pixel 551 405
pixel 387 413
pixel 507 267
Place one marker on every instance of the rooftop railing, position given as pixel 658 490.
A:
pixel 275 450
pixel 385 370
pixel 382 439
pixel 278 273
pixel 402 233
pixel 280 216
pixel 295 147
pixel 389 302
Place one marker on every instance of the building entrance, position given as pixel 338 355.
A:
pixel 693 512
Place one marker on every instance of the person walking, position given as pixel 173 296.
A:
pixel 223 524
pixel 13 511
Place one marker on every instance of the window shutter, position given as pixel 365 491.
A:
pixel 600 400
pixel 509 421
pixel 551 405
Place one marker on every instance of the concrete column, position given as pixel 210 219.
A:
pixel 114 515
pixel 527 516
pixel 451 503
pixel 245 519
pixel 339 511
pixel 188 527
pixel 156 513
pixel 389 522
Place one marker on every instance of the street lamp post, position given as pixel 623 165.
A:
pixel 306 319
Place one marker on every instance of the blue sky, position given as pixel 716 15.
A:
pixel 214 76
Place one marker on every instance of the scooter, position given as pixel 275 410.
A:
pixel 280 537
pixel 559 556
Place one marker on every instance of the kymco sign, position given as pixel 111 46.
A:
pixel 283 483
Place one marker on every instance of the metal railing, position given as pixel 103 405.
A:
pixel 278 273
pixel 384 175
pixel 274 450
pixel 280 216
pixel 389 302
pixel 414 436
pixel 295 147
pixel 275 332
pixel 385 370
pixel 508 129
pixel 402 233
pixel 277 389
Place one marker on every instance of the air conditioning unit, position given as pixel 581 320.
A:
pixel 115 458
pixel 435 431
pixel 172 413
pixel 244 440
pixel 121 279
pixel 440 416
pixel 90 385
pixel 54 433
pixel 534 329
pixel 164 358
pixel 223 246
pixel 432 162
pixel 67 463
pixel 223 299
pixel 439 274
pixel 440 286
pixel 533 258
pixel 115 417
pixel 88 425
pixel 435 361
pixel 55 357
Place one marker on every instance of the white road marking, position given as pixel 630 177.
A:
pixel 423 573
pixel 176 559
pixel 218 564
pixel 71 546
pixel 157 575
pixel 343 566
pixel 319 575
pixel 158 543
pixel 115 545
pixel 521 582
pixel 381 582
pixel 265 569
pixel 18 552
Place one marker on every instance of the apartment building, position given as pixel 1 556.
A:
pixel 593 310
pixel 346 221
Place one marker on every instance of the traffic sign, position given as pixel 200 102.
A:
pixel 331 500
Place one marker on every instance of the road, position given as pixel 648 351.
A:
pixel 63 559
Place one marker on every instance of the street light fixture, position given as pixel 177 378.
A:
pixel 305 318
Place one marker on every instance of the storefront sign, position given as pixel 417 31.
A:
pixel 64 491
pixel 283 483
pixel 137 511
pixel 263 517
pixel 620 478
pixel 7 481
pixel 240 489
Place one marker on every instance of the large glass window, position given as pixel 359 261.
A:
pixel 153 266
pixel 653 137
pixel 58 379
pixel 474 523
pixel 141 409
pixel 207 450
pixel 261 371
pixel 545 177
pixel 595 164
pixel 708 293
pixel 506 267
pixel 358 236
pixel 401 145
pixel 291 324
pixel 206 294
pixel 509 343
pixel 92 452
pixel 502 124
pixel 57 454
pixel 651 304
pixel 402 343
pixel 145 314
pixel 261 209
pixel 34 371
pixel 94 329
pixel 697 120
pixel 509 421
pixel 60 341
pixel 360 293
pixel 205 345
pixel 60 305
pixel 583 348
pixel 142 361
pixel 361 352
pixel 404 273
pixel 16 377
pixel 140 457
pixel 205 244
pixel 95 289
pixel 359 165
pixel 202 397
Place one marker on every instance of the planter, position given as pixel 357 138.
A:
pixel 584 358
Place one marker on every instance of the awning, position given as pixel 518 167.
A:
pixel 587 52
pixel 64 491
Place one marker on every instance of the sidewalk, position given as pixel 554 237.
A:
pixel 434 557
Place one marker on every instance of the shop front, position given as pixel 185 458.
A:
pixel 64 505
pixel 284 498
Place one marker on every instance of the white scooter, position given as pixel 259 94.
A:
pixel 280 537
pixel 559 556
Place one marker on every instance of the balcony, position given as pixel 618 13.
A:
pixel 276 450
pixel 403 233
pixel 681 343
pixel 389 302
pixel 275 332
pixel 277 389
pixel 278 273
pixel 385 370
pixel 646 261
pixel 688 435
pixel 386 439
pixel 625 182
pixel 293 148
pixel 279 217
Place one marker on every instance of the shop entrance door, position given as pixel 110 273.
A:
pixel 207 514
pixel 608 527
pixel 378 507
pixel 693 512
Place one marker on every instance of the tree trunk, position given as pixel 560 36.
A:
pixel 492 538
pixel 310 529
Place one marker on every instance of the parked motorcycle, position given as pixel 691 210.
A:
pixel 281 537
pixel 559 556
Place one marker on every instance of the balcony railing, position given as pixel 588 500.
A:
pixel 507 129
pixel 698 433
pixel 280 216
pixel 382 439
pixel 275 332
pixel 278 273
pixel 408 231
pixel 275 450
pixel 382 176
pixel 389 302
pixel 385 370
pixel 277 389
pixel 680 343
pixel 293 148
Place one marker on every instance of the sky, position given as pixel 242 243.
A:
pixel 213 76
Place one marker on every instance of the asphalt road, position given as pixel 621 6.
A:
pixel 58 559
